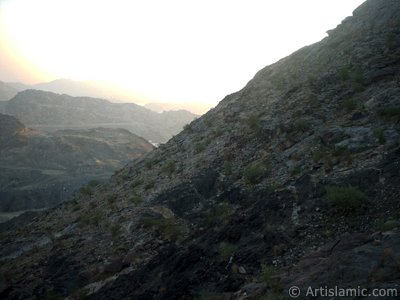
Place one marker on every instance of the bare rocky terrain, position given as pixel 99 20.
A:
pixel 293 180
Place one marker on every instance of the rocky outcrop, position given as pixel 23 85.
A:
pixel 294 180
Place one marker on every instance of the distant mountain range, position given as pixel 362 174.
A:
pixel 85 88
pixel 39 169
pixel 97 89
pixel 88 88
pixel 196 108
pixel 49 111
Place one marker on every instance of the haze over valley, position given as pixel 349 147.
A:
pixel 52 145
pixel 39 169
pixel 50 111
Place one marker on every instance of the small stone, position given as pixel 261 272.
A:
pixel 114 266
pixel 377 242
pixel 242 270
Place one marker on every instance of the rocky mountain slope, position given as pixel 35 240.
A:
pixel 294 180
pixel 50 111
pixel 39 169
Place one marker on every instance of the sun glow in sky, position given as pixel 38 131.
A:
pixel 168 51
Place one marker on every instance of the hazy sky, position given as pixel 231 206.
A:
pixel 175 50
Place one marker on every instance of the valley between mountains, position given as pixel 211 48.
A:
pixel 51 145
